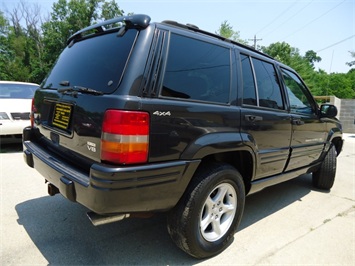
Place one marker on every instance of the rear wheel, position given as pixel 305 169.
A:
pixel 324 177
pixel 205 219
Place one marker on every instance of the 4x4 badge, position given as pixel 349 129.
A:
pixel 158 113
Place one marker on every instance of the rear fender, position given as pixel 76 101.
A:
pixel 224 147
pixel 212 144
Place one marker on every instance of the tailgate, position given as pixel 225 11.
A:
pixel 71 124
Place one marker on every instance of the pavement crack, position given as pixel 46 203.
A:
pixel 341 214
pixel 345 198
pixel 275 251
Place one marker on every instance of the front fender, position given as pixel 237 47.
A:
pixel 335 137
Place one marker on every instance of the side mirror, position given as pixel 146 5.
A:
pixel 328 110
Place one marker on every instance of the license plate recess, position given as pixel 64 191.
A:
pixel 61 116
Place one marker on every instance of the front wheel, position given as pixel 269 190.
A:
pixel 324 177
pixel 205 219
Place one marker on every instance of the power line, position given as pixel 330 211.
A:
pixel 314 20
pixel 277 17
pixel 334 44
pixel 288 19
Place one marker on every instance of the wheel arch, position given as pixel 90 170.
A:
pixel 338 143
pixel 241 160
pixel 335 138
pixel 226 148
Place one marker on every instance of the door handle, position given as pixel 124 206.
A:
pixel 297 122
pixel 253 118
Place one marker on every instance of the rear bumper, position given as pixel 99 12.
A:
pixel 106 189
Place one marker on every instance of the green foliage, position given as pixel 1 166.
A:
pixel 226 31
pixel 280 51
pixel 320 83
pixel 338 84
pixel 352 63
pixel 312 57
pixel 69 17
pixel 29 47
pixel 5 48
pixel 20 46
pixel 110 10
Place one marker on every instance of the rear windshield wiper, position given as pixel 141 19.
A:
pixel 75 89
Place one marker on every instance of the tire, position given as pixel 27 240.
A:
pixel 206 218
pixel 324 177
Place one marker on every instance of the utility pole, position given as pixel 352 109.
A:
pixel 255 40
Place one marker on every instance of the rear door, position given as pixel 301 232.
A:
pixel 308 131
pixel 265 120
pixel 194 87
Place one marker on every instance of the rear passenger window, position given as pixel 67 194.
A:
pixel 197 70
pixel 260 83
pixel 249 92
pixel 269 91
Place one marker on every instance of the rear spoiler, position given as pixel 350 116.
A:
pixel 138 21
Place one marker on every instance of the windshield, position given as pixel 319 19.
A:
pixel 96 63
pixel 17 91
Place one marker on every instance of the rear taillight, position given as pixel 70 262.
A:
pixel 125 137
pixel 32 114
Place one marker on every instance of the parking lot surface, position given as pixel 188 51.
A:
pixel 288 224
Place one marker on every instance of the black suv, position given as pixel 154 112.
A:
pixel 138 117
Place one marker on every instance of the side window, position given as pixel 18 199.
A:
pixel 249 91
pixel 269 91
pixel 299 97
pixel 197 70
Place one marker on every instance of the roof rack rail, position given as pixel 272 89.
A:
pixel 197 29
pixel 177 24
pixel 138 21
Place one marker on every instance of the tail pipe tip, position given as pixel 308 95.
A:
pixel 52 189
pixel 98 219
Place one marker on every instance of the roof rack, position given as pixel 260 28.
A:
pixel 177 24
pixel 197 29
pixel 138 21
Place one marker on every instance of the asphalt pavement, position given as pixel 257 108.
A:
pixel 287 224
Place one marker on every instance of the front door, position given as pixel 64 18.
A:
pixel 308 131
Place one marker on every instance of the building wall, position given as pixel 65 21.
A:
pixel 346 111
pixel 347 115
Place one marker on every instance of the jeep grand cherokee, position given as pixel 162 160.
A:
pixel 138 117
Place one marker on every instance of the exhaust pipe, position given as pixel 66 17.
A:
pixel 98 219
pixel 52 190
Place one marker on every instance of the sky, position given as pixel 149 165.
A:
pixel 324 26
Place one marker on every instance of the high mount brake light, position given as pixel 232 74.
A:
pixel 125 137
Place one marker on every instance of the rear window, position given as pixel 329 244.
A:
pixel 95 63
pixel 17 91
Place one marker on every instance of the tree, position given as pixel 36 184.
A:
pixel 4 46
pixel 312 57
pixel 352 63
pixel 339 85
pixel 21 44
pixel 29 45
pixel 291 56
pixel 110 10
pixel 226 31
pixel 70 16
pixel 281 51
